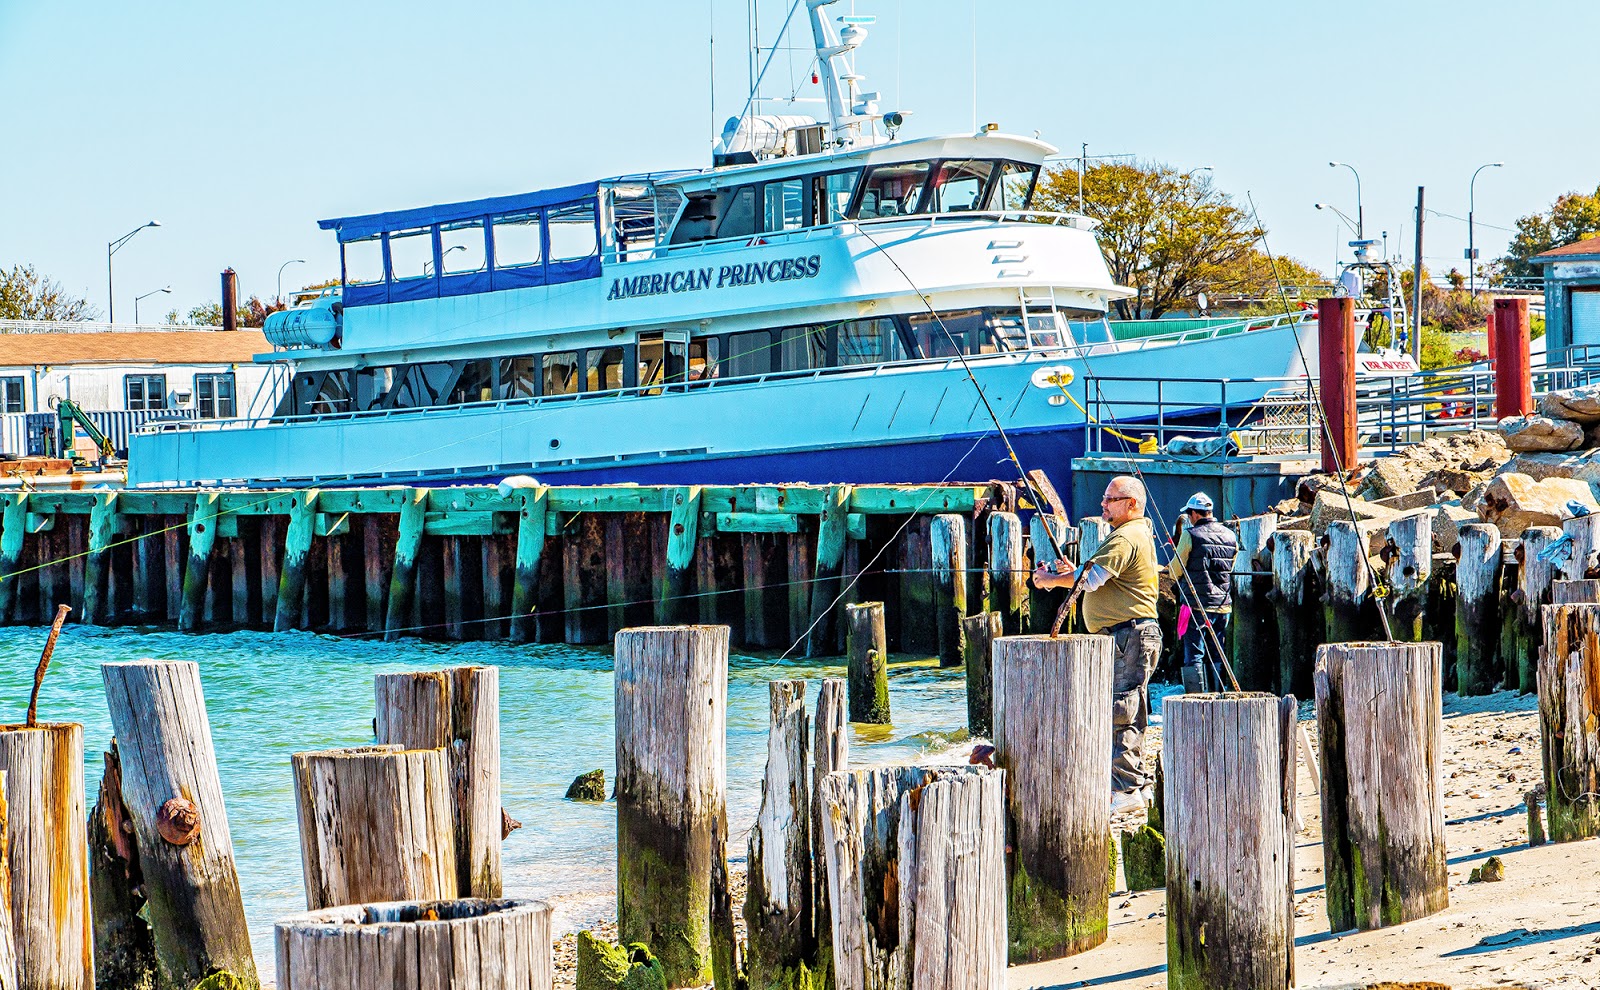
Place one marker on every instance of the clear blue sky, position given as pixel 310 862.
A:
pixel 238 126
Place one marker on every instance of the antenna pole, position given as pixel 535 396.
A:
pixel 1083 163
pixel 1416 289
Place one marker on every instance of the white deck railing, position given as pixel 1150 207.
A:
pixel 94 326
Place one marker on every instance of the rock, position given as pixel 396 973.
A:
pixel 1471 499
pixel 1536 835
pixel 1412 500
pixel 1403 472
pixel 1302 523
pixel 1447 522
pixel 1514 502
pixel 1332 505
pixel 589 786
pixel 1531 433
pixel 1289 507
pixel 1493 870
pixel 1476 876
pixel 1582 464
pixel 1578 405
pixel 1457 480
pixel 1144 859
pixel 604 966
pixel 1388 477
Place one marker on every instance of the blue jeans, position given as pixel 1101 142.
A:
pixel 1197 645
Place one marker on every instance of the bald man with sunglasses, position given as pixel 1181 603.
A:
pixel 1120 590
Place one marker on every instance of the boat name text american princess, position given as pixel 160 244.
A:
pixel 693 279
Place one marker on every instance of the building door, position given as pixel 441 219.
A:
pixel 1586 318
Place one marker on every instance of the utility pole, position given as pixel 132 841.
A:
pixel 1416 288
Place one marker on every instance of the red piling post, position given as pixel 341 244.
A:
pixel 1336 366
pixel 1513 387
pixel 1491 344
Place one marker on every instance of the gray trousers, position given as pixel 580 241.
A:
pixel 1137 649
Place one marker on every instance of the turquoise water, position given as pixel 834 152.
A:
pixel 269 695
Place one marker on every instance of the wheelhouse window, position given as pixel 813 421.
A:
pixel 475 383
pixel 572 232
pixel 833 195
pixel 363 261
pixel 1016 185
pixel 870 342
pixel 12 396
pixel 461 248
pixel 960 186
pixel 740 219
pixel 560 373
pixel 892 190
pixel 214 396
pixel 411 253
pixel 145 392
pixel 660 360
pixel 949 334
pixel 785 205
pixel 518 241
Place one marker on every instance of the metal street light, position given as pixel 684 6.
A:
pixel 112 247
pixel 1472 251
pixel 286 264
pixel 147 295
pixel 1340 214
pixel 1361 216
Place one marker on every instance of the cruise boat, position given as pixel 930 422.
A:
pixel 828 303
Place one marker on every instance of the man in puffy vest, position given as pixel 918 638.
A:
pixel 1205 553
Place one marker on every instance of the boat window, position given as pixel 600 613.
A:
pixel 425 385
pixel 476 383
pixel 372 384
pixel 604 367
pixel 960 186
pixel 739 219
pixel 363 261
pixel 699 220
pixel 949 334
pixel 786 205
pixel 833 195
pixel 748 354
pixel 517 241
pixel 870 342
pixel 411 253
pixel 660 361
pixel 461 247
pixel 572 232
pixel 517 378
pixel 892 190
pixel 703 358
pixel 801 348
pixel 560 373
pixel 1016 184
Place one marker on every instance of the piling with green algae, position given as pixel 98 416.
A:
pixel 1408 566
pixel 1380 722
pixel 605 966
pixel 1253 631
pixel 1535 578
pixel 1569 711
pixel 1294 599
pixel 1229 814
pixel 1349 615
pixel 1478 609
pixel 778 899
pixel 671 687
pixel 868 649
pixel 1051 724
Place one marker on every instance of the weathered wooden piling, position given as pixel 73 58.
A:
pixel 173 795
pixel 97 584
pixel 1229 809
pixel 1044 602
pixel 46 853
pixel 671 685
pixel 1585 592
pixel 1569 719
pixel 1008 572
pixel 1584 560
pixel 833 538
pixel 532 512
pixel 403 576
pixel 404 848
pixel 1253 629
pixel 124 946
pixel 1408 566
pixel 1477 609
pixel 777 906
pixel 13 530
pixel 1381 729
pixel 1051 731
pixel 469 944
pixel 949 541
pixel 457 710
pixel 1349 582
pixel 830 751
pixel 1300 614
pixel 196 575
pixel 868 665
pixel 980 633
pixel 1534 580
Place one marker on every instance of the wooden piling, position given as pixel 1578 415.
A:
pixel 949 562
pixel 1534 580
pixel 798 584
pixel 830 751
pixel 676 605
pixel 584 582
pixel 173 795
pixel 97 584
pixel 1051 726
pixel 1255 662
pixel 777 906
pixel 1569 713
pixel 671 685
pixel 1349 583
pixel 1229 810
pixel 1043 603
pixel 404 848
pixel 1092 531
pixel 296 547
pixel 196 575
pixel 403 576
pixel 1300 615
pixel 374 577
pixel 46 853
pixel 271 549
pixel 532 511
pixel 868 663
pixel 912 627
pixel 1408 567
pixel 457 710
pixel 833 536
pixel 1008 572
pixel 1477 609
pixel 1584 561
pixel 979 633
pixel 1585 592
pixel 13 529
pixel 1381 729
pixel 124 947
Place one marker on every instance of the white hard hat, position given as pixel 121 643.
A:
pixel 1198 502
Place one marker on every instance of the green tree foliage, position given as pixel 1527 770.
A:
pixel 27 295
pixel 251 313
pixel 1572 217
pixel 1170 234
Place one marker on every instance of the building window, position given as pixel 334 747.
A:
pixel 145 392
pixel 11 395
pixel 214 396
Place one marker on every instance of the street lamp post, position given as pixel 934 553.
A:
pixel 147 295
pixel 286 264
pixel 1361 217
pixel 1472 250
pixel 112 247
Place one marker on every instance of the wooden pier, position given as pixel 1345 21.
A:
pixel 526 564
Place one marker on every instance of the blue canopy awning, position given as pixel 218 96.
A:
pixel 355 228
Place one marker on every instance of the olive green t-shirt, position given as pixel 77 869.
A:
pixel 1129 553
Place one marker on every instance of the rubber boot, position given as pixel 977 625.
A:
pixel 1194 679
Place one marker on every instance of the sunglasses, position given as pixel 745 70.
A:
pixel 1119 498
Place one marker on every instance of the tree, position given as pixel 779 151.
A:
pixel 1171 235
pixel 251 313
pixel 27 295
pixel 1571 218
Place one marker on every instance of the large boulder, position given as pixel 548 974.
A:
pixel 1578 405
pixel 1409 469
pixel 1448 518
pixel 1331 505
pixel 1514 502
pixel 1539 465
pixel 1536 433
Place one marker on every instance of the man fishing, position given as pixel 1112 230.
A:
pixel 1205 551
pixel 1120 584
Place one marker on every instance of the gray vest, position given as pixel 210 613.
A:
pixel 1210 567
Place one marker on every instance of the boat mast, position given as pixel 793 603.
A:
pixel 839 78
